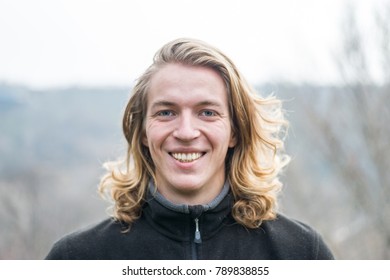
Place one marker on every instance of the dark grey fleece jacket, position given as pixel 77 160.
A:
pixel 167 231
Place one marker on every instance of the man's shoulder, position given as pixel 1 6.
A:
pixel 283 223
pixel 106 228
pixel 80 243
pixel 295 239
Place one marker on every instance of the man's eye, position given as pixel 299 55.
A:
pixel 165 113
pixel 208 113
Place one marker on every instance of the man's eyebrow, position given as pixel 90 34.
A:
pixel 163 103
pixel 209 103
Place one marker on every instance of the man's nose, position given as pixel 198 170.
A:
pixel 186 128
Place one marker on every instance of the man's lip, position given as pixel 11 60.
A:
pixel 186 151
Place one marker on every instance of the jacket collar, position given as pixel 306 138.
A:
pixel 177 221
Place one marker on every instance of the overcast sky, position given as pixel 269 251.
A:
pixel 48 43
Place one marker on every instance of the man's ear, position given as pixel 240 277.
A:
pixel 144 139
pixel 233 140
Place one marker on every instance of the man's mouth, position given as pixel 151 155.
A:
pixel 186 157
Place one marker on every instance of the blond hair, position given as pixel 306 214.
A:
pixel 252 166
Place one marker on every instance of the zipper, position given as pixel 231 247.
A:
pixel 197 240
pixel 195 212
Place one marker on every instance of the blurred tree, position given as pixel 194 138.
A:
pixel 352 131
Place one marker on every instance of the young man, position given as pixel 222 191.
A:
pixel 201 175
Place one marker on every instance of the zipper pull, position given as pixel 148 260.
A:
pixel 197 238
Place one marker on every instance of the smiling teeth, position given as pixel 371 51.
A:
pixel 182 157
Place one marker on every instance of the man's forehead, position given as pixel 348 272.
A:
pixel 174 73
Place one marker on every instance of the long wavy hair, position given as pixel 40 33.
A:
pixel 252 167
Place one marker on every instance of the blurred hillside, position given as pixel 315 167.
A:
pixel 53 144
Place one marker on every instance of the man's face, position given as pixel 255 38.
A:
pixel 188 132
